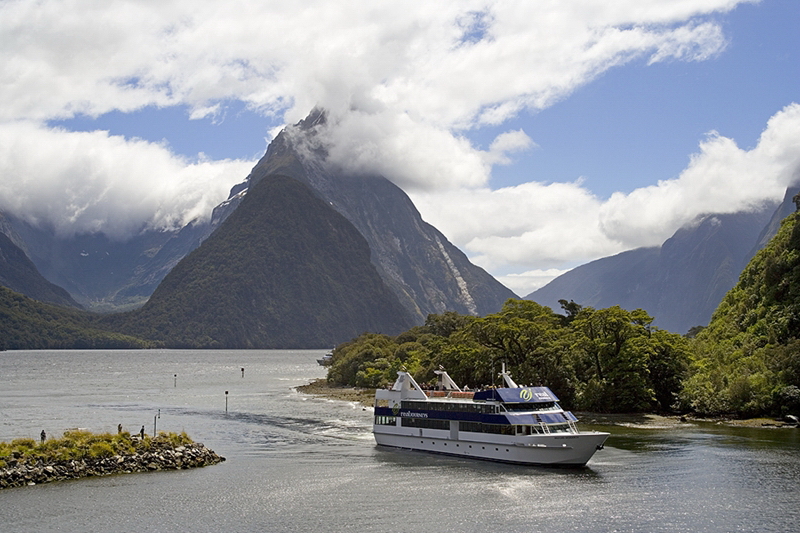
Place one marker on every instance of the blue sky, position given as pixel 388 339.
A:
pixel 553 136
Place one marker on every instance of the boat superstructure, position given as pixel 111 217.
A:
pixel 511 424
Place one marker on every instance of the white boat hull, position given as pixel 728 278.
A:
pixel 557 449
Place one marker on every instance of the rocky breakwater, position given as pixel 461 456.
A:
pixel 144 455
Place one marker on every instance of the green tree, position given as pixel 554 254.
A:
pixel 746 359
pixel 612 349
pixel 668 362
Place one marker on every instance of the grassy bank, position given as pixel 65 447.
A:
pixel 80 454
pixel 78 444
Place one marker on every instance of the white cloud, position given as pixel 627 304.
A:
pixel 547 225
pixel 411 58
pixel 720 178
pixel 560 225
pixel 526 282
pixel 87 182
pixel 402 83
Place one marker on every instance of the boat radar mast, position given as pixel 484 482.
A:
pixel 510 383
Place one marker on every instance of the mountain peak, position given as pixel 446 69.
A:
pixel 282 271
pixel 425 270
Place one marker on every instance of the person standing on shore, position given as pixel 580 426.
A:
pixel 43 435
pixel 141 432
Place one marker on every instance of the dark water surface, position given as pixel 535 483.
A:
pixel 307 464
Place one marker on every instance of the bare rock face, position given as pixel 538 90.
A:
pixel 285 270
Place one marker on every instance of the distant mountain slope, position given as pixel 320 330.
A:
pixel 19 274
pixel 283 270
pixel 426 272
pixel 105 274
pixel 27 324
pixel 786 208
pixel 679 283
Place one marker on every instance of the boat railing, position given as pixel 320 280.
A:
pixel 448 394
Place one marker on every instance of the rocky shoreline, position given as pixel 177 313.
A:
pixel 162 456
pixel 320 388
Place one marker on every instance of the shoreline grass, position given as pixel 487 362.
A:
pixel 82 444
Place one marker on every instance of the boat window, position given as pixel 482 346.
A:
pixel 429 423
pixel 544 406
pixel 385 420
pixel 462 407
pixel 477 427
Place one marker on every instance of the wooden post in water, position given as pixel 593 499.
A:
pixel 175 378
pixel 226 401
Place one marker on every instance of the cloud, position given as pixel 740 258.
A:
pixel 548 225
pixel 451 63
pixel 560 225
pixel 403 84
pixel 720 178
pixel 91 181
pixel 526 282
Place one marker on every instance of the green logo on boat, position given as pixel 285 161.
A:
pixel 526 394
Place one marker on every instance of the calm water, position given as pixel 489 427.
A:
pixel 305 464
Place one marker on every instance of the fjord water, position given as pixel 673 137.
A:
pixel 297 463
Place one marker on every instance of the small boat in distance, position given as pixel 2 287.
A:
pixel 326 359
pixel 511 424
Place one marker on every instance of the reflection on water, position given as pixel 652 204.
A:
pixel 297 463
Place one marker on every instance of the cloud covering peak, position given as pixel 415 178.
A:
pixel 403 83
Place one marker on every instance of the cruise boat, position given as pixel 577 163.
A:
pixel 326 360
pixel 511 424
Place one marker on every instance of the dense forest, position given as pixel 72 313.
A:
pixel 593 359
pixel 27 324
pixel 747 360
pixel 745 363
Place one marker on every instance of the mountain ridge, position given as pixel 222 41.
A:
pixel 680 283
pixel 18 273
